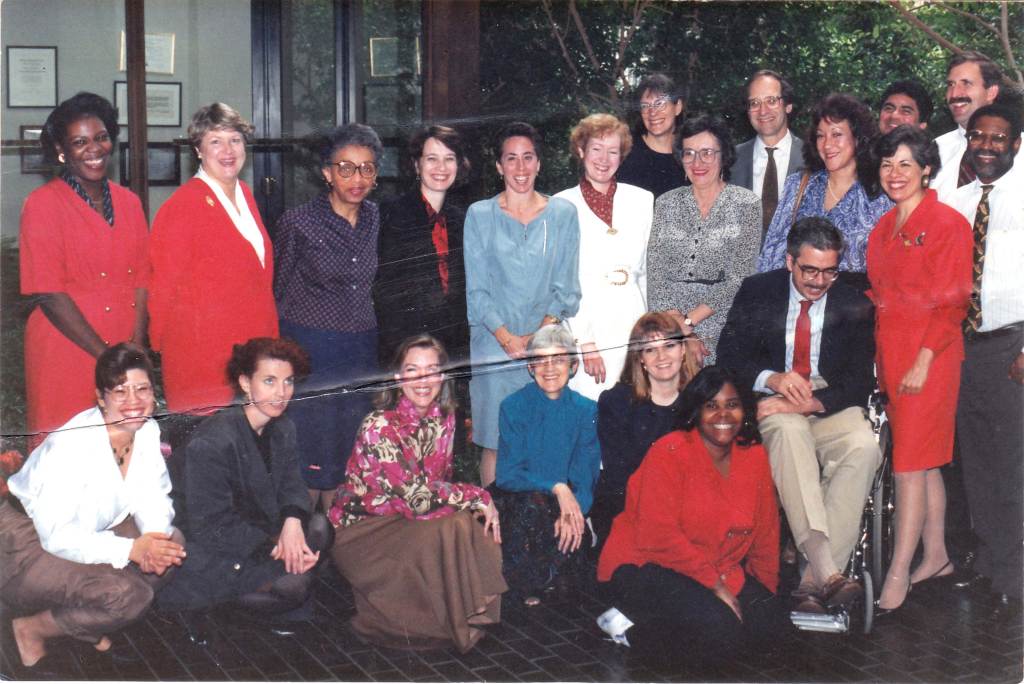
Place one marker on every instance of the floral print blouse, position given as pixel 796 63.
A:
pixel 402 464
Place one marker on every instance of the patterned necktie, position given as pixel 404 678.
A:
pixel 769 191
pixel 802 341
pixel 973 320
pixel 966 174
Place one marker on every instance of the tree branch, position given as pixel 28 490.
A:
pixel 973 17
pixel 546 4
pixel 578 21
pixel 1004 38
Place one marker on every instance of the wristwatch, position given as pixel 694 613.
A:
pixel 688 321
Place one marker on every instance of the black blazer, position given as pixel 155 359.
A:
pixel 234 508
pixel 407 293
pixel 754 337
pixel 742 172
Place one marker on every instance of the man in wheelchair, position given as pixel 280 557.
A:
pixel 804 337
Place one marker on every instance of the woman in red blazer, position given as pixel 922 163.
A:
pixel 694 558
pixel 213 268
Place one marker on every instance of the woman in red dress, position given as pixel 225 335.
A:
pixel 919 265
pixel 213 268
pixel 84 261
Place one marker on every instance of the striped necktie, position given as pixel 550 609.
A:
pixel 973 320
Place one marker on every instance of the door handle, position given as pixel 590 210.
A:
pixel 269 185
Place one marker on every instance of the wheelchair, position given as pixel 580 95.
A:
pixel 873 550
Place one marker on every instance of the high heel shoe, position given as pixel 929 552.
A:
pixel 935 575
pixel 886 613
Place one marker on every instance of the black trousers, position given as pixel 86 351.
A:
pixel 677 619
pixel 991 439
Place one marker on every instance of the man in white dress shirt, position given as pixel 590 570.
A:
pixel 991 402
pixel 972 81
pixel 768 99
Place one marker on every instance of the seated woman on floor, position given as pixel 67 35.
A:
pixel 694 558
pixel 424 573
pixel 252 536
pixel 548 462
pixel 86 534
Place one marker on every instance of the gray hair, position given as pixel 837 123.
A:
pixel 550 336
pixel 355 134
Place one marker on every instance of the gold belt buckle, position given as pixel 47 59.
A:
pixel 622 273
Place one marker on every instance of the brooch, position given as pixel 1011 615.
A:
pixel 209 200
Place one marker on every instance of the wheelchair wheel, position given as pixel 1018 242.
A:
pixel 869 601
pixel 883 494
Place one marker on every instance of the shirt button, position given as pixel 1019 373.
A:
pixel 106 308
pixel 353 287
pixel 237 567
pixel 129 271
pixel 133 305
pixel 103 274
pixel 353 260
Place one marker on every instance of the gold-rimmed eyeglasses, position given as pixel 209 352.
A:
pixel 347 169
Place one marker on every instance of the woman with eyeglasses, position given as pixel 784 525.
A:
pixel 548 461
pixel 651 164
pixel 839 183
pixel 87 534
pixel 705 236
pixel 326 264
pixel 213 268
pixel 919 260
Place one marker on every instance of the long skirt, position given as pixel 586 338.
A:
pixel 331 403
pixel 421 584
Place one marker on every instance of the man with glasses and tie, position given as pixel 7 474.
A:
pixel 764 161
pixel 991 402
pixel 803 336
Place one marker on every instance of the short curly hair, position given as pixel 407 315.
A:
pixel 516 129
pixel 716 126
pixel 217 116
pixel 246 357
pixel 598 126
pixel 921 146
pixel 74 109
pixel 703 388
pixel 836 108
pixel 355 134
pixel 448 137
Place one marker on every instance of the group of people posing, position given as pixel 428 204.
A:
pixel 658 357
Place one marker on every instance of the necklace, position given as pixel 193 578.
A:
pixel 828 184
pixel 119 454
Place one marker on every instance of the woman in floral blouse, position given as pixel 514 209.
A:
pixel 420 551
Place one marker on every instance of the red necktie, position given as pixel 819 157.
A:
pixel 802 343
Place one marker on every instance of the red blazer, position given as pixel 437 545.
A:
pixel 683 515
pixel 208 292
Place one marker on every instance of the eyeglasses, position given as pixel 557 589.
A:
pixel 347 169
pixel 705 154
pixel 121 393
pixel 657 105
pixel 812 272
pixel 553 361
pixel 772 101
pixel 996 139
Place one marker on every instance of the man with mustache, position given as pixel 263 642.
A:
pixel 991 401
pixel 972 81
pixel 763 162
pixel 804 336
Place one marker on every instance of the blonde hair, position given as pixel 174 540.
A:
pixel 598 126
pixel 214 117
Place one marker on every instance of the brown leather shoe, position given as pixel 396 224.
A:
pixel 806 601
pixel 840 590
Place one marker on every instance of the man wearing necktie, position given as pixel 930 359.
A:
pixel 763 162
pixel 803 336
pixel 990 411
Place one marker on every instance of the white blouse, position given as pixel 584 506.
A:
pixel 72 489
pixel 241 217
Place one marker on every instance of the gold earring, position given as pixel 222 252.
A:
pixel 60 157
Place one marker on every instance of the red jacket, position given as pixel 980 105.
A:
pixel 208 292
pixel 683 515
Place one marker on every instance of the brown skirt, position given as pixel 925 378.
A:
pixel 421 584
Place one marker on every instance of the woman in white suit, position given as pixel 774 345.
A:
pixel 615 221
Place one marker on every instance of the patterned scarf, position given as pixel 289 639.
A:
pixel 600 204
pixel 108 203
pixel 439 235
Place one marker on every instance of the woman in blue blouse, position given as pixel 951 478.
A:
pixel 840 183
pixel 548 461
pixel 522 272
pixel 326 261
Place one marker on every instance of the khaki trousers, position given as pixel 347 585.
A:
pixel 88 600
pixel 823 469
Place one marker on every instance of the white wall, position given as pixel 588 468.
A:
pixel 212 62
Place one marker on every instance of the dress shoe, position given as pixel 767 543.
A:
pixel 806 600
pixel 887 613
pixel 1006 608
pixel 840 590
pixel 937 575
pixel 964 578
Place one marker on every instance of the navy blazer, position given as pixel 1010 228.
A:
pixel 742 172
pixel 754 337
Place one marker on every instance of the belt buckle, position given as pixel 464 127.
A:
pixel 621 272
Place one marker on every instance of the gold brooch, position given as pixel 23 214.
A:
pixel 209 200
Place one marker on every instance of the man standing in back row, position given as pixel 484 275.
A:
pixel 763 162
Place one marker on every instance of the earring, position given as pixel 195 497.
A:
pixel 60 157
pixel 925 181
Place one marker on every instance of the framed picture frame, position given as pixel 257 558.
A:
pixel 163 163
pixel 163 103
pixel 384 60
pixel 33 161
pixel 159 53
pixel 31 76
